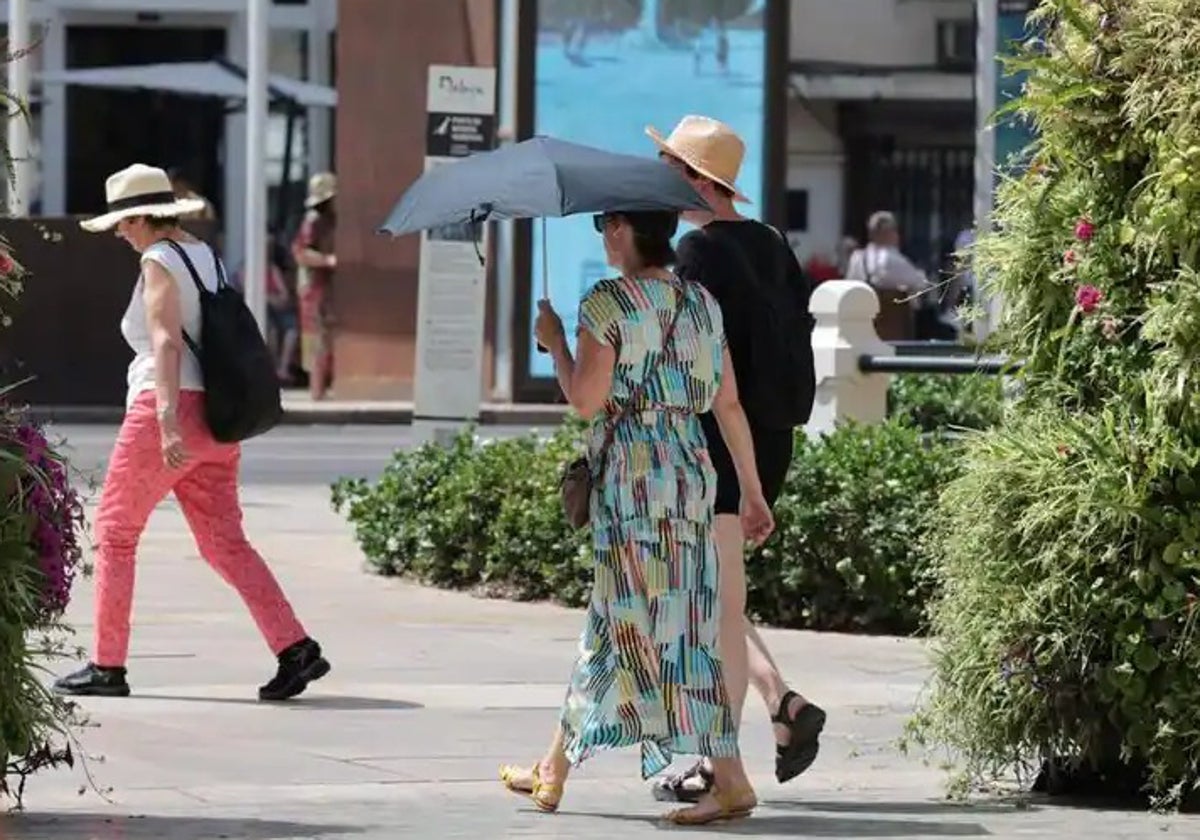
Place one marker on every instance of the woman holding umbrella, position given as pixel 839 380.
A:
pixel 651 358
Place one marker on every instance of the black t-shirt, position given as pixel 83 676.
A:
pixel 716 266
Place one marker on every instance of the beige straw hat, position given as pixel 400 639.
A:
pixel 321 188
pixel 708 146
pixel 140 190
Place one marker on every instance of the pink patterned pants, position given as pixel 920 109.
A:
pixel 207 489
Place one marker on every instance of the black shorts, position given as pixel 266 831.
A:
pixel 772 453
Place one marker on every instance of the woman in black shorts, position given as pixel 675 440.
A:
pixel 726 254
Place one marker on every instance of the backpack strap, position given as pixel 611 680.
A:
pixel 187 263
pixel 191 267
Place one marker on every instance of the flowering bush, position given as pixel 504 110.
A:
pixel 1067 551
pixel 41 522
pixel 41 517
pixel 45 494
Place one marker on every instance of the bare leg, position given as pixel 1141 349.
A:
pixel 768 682
pixel 732 633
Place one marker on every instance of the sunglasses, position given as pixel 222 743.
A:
pixel 599 221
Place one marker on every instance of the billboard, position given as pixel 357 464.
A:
pixel 1013 133
pixel 605 69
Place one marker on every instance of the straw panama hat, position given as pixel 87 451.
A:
pixel 708 146
pixel 321 188
pixel 140 190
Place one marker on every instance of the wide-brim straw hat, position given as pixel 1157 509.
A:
pixel 709 147
pixel 140 190
pixel 321 188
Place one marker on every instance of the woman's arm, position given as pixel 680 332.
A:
pixel 310 258
pixel 585 383
pixel 735 430
pixel 303 251
pixel 160 294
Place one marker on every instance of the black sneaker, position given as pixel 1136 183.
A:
pixel 94 681
pixel 299 665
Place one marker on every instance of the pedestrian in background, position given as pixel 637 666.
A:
pixel 316 263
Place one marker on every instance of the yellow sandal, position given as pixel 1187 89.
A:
pixel 733 807
pixel 545 796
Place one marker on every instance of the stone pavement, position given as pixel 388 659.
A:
pixel 299 409
pixel 430 692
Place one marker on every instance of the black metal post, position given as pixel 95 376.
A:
pixel 993 365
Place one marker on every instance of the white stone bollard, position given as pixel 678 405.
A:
pixel 844 311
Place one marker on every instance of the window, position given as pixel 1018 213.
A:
pixel 956 44
pixel 797 211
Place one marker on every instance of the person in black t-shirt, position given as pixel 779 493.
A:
pixel 719 255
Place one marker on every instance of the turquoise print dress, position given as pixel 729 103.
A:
pixel 648 672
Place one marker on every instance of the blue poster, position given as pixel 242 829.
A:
pixel 606 69
pixel 1012 133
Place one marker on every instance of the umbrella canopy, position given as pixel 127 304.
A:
pixel 219 79
pixel 539 178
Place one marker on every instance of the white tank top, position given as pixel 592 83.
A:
pixel 137 333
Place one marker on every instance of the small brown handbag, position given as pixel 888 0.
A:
pixel 577 480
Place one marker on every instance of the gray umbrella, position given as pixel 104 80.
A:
pixel 539 178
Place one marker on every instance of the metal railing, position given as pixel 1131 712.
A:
pixel 946 364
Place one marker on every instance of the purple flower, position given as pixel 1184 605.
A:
pixel 1084 230
pixel 55 512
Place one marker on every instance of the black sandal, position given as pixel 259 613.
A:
pixel 675 788
pixel 805 742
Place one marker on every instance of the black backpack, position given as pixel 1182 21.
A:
pixel 241 386
pixel 781 392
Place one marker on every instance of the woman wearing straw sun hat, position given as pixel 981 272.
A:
pixel 316 263
pixel 164 446
pixel 736 258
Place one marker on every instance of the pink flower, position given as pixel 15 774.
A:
pixel 1084 230
pixel 1088 298
pixel 1110 328
pixel 1069 258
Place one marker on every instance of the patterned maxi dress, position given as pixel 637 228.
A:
pixel 648 671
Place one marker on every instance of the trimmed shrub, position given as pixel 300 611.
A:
pixel 845 556
pixel 935 402
pixel 847 553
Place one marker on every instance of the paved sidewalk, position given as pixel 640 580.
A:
pixel 301 410
pixel 430 692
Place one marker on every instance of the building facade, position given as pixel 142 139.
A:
pixel 881 117
pixel 81 134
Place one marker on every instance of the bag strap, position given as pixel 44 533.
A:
pixel 191 267
pixel 635 397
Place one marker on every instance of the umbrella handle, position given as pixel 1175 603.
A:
pixel 545 276
pixel 545 264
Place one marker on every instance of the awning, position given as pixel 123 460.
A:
pixel 838 81
pixel 219 79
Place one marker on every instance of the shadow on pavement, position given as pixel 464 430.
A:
pixel 777 825
pixel 26 826
pixel 868 806
pixel 311 703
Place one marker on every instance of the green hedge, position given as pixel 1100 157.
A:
pixel 946 402
pixel 846 554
